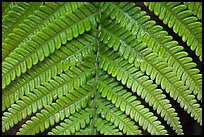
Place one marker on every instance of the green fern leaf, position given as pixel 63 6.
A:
pixel 64 58
pixel 128 75
pixel 108 111
pixel 73 124
pixel 6 7
pixel 47 41
pixel 127 103
pixel 56 111
pixel 100 68
pixel 106 128
pixel 45 95
pixel 84 131
pixel 196 8
pixel 182 21
pixel 158 40
pixel 18 11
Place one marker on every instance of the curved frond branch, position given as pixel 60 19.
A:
pixel 143 87
pixel 53 11
pixel 196 8
pixel 110 89
pixel 20 32
pixel 49 38
pixel 140 84
pixel 58 62
pixel 55 112
pixel 34 23
pixel 140 25
pixel 6 6
pixel 116 37
pixel 100 68
pixel 178 17
pixel 114 115
pixel 106 127
pixel 73 124
pixel 17 13
pixel 44 95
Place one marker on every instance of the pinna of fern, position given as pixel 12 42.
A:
pixel 163 74
pixel 182 21
pixel 83 67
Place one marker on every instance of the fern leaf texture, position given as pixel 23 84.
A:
pixel 101 68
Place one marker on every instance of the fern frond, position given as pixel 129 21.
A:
pixel 59 61
pixel 16 14
pixel 92 68
pixel 147 90
pixel 6 7
pixel 110 113
pixel 55 112
pixel 44 95
pixel 178 17
pixel 156 39
pixel 86 131
pixel 49 38
pixel 35 22
pixel 30 24
pixel 195 7
pixel 106 127
pixel 52 12
pixel 110 89
pixel 136 52
pixel 75 122
pixel 115 39
pixel 135 79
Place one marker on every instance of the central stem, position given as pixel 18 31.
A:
pixel 95 85
pixel 93 129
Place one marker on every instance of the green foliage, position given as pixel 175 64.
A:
pixel 181 20
pixel 87 68
pixel 196 7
